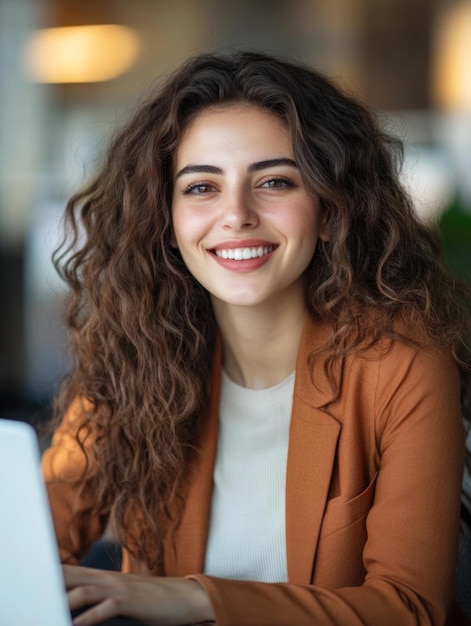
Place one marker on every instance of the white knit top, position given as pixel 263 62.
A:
pixel 246 539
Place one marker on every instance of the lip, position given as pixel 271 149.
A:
pixel 245 265
pixel 243 243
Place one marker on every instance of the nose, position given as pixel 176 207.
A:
pixel 238 213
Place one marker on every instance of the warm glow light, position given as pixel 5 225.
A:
pixel 452 80
pixel 80 54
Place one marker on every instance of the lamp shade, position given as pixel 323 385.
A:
pixel 452 66
pixel 80 54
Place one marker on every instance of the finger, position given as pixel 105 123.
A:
pixel 98 613
pixel 87 595
pixel 68 571
pixel 76 575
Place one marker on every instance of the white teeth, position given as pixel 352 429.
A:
pixel 243 254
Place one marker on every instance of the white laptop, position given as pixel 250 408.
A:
pixel 32 591
pixel 31 585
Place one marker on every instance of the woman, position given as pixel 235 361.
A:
pixel 265 400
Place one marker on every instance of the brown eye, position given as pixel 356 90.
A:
pixel 277 182
pixel 199 188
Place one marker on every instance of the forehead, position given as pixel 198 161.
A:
pixel 234 126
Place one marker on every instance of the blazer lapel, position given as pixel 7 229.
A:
pixel 311 453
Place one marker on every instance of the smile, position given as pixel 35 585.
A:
pixel 243 254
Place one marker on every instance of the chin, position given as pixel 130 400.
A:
pixel 241 299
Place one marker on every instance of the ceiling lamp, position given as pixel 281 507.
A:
pixel 452 67
pixel 80 54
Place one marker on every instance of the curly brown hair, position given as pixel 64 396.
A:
pixel 142 330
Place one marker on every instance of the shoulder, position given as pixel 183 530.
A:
pixel 395 365
pixel 378 371
pixel 399 364
pixel 72 442
pixel 388 384
pixel 389 361
pixel 409 390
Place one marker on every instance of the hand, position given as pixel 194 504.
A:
pixel 157 601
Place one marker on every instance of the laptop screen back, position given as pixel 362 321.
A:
pixel 31 583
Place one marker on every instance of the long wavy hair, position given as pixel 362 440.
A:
pixel 142 330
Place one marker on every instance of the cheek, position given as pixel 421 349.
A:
pixel 178 225
pixel 188 228
pixel 301 222
pixel 175 229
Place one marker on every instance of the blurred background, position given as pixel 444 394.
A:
pixel 72 70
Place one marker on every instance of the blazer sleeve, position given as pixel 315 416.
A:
pixel 64 465
pixel 412 527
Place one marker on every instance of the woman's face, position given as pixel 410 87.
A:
pixel 243 220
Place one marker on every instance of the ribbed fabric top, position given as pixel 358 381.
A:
pixel 246 539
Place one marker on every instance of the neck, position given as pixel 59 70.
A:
pixel 260 343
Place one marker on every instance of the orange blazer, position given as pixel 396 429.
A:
pixel 372 496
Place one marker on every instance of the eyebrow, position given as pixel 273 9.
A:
pixel 253 167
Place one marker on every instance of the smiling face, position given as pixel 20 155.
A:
pixel 243 220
